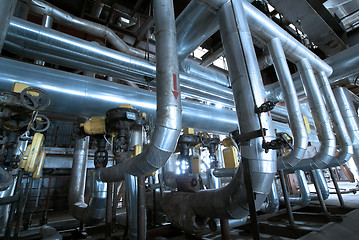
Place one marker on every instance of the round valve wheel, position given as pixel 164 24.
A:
pixel 35 98
pixel 41 123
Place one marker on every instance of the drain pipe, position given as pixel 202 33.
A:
pixel 272 204
pixel 296 122
pixel 43 8
pixel 305 197
pixel 231 200
pixel 94 211
pixel 169 111
pixel 322 183
pixel 321 120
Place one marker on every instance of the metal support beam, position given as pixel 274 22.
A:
pixel 286 198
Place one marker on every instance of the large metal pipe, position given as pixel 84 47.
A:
pixel 322 183
pixel 305 197
pixel 199 17
pixel 5 209
pixel 169 110
pixel 343 138
pixel 262 28
pixel 272 203
pixel 231 201
pixel 296 122
pixel 350 116
pixel 33 41
pixel 6 12
pixel 5 179
pixel 321 119
pixel 94 211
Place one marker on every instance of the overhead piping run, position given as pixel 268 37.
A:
pixel 94 211
pixel 6 12
pixel 169 117
pixel 33 41
pixel 296 122
pixel 94 29
pixel 350 116
pixel 321 119
pixel 231 200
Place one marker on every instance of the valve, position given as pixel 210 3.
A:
pixel 34 98
pixel 266 107
pixel 280 142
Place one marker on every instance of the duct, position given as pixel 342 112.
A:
pixel 342 135
pixel 321 119
pixel 6 12
pixel 305 197
pixel 323 186
pixel 187 38
pixel 169 110
pixel 193 68
pixel 350 116
pixel 231 200
pixel 34 41
pixel 296 122
pixel 4 209
pixel 5 179
pixel 272 204
pixel 94 211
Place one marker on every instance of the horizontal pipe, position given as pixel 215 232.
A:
pixel 34 41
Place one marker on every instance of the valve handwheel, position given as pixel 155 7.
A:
pixel 35 98
pixel 41 123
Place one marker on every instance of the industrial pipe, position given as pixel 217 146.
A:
pixel 94 211
pixel 296 122
pixel 6 12
pixel 272 204
pixel 231 200
pixel 321 119
pixel 304 198
pixel 5 179
pixel 169 110
pixel 350 116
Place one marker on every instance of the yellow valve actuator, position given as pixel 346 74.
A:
pixel 40 164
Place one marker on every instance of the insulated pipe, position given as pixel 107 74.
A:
pixel 296 122
pixel 322 183
pixel 343 138
pixel 231 200
pixel 169 110
pixel 272 204
pixel 6 11
pixel 43 8
pixel 321 119
pixel 33 41
pixel 305 197
pixel 5 179
pixel 94 211
pixel 4 209
pixel 262 28
pixel 198 16
pixel 350 116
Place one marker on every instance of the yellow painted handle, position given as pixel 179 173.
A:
pixel 34 152
pixel 40 164
pixel 24 157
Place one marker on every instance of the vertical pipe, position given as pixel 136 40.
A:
pixel 350 116
pixel 296 122
pixel 108 228
pixel 337 189
pixel 225 229
pixel 141 209
pixel 6 11
pixel 319 193
pixel 286 198
pixel 22 9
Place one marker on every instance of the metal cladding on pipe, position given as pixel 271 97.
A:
pixel 33 41
pixel 169 111
pixel 343 138
pixel 321 120
pixel 350 116
pixel 4 209
pixel 6 11
pixel 231 200
pixel 296 122
pixel 323 186
pixel 94 211
pixel 95 29
pixel 272 203
pixel 194 15
pixel 305 197
pixel 5 179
